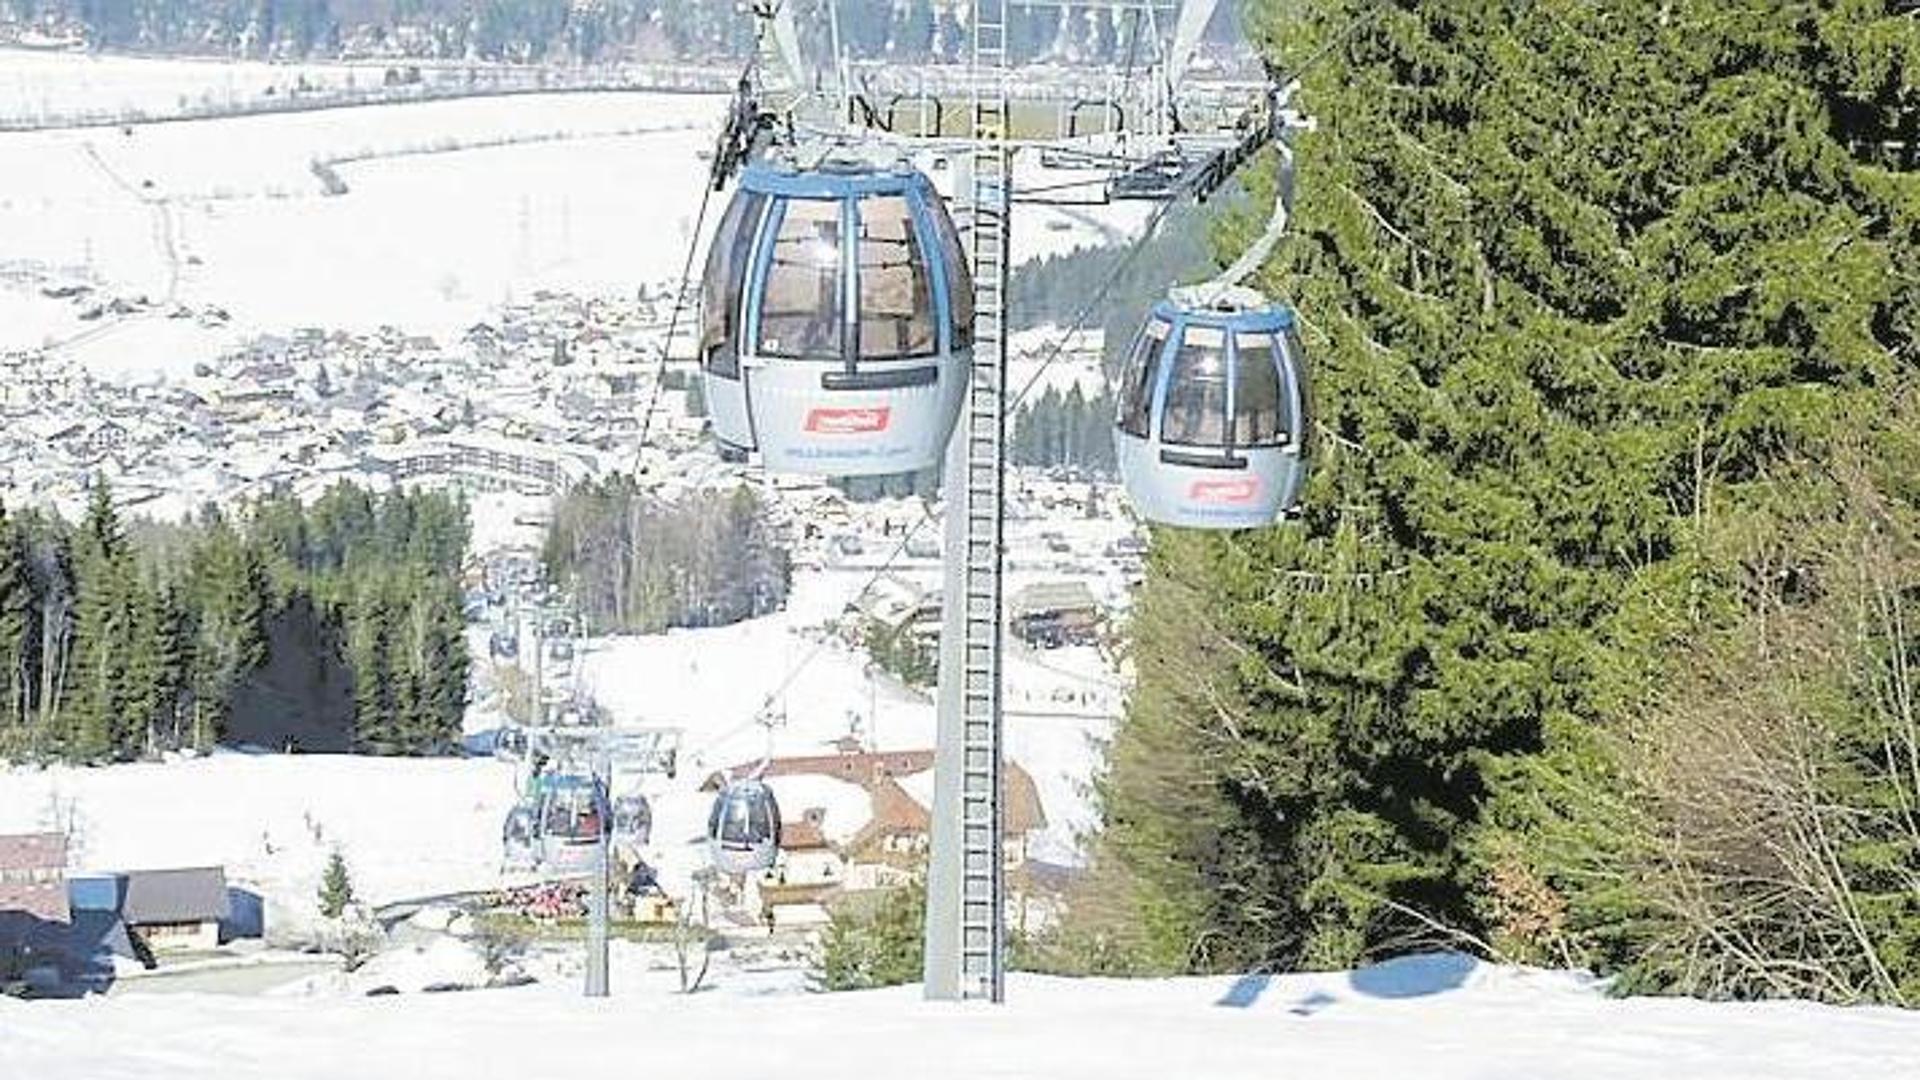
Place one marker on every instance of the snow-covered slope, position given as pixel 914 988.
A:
pixel 441 221
pixel 1434 1018
pixel 414 828
pixel 408 828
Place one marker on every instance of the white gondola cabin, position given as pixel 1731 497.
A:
pixel 1213 427
pixel 743 830
pixel 836 320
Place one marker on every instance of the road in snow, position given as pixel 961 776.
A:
pixel 1435 1018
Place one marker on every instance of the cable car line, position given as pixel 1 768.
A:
pixel 1078 322
pixel 673 325
pixel 686 268
pixel 794 672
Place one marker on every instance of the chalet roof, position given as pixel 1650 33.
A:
pixel 896 807
pixel 902 808
pixel 33 851
pixel 802 835
pixel 197 894
pixel 33 880
pixel 858 768
pixel 1050 596
pixel 894 811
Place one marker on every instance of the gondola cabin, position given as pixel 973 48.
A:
pixel 743 830
pixel 836 325
pixel 572 809
pixel 633 818
pixel 570 812
pixel 1213 424
pixel 520 837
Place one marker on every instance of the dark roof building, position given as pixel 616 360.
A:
pixel 172 897
pixel 863 768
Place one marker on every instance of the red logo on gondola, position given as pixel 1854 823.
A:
pixel 1224 491
pixel 848 421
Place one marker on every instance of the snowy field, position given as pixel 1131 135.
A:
pixel 37 85
pixel 1435 1017
pixel 416 828
pixel 409 828
pixel 446 216
pixel 450 209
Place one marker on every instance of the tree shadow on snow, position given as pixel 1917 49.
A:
pixel 1404 977
pixel 1415 976
pixel 1245 991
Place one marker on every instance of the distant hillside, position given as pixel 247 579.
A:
pixel 561 31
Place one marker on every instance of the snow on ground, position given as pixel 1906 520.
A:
pixel 37 85
pixel 1042 231
pixel 1048 358
pixel 507 519
pixel 407 827
pixel 438 226
pixel 1435 1017
pixel 440 223
pixel 413 828
pixel 714 683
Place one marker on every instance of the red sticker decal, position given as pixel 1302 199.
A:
pixel 1224 491
pixel 848 421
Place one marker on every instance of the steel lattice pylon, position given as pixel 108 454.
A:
pixel 1163 138
pixel 966 890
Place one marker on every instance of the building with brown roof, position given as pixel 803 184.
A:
pixel 901 828
pixel 35 921
pixel 891 846
pixel 854 766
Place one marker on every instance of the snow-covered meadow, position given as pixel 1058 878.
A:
pixel 40 85
pixel 450 209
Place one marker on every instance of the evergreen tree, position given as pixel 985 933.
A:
pixel 1578 282
pixel 228 583
pixel 336 887
pixel 17 623
pixel 156 670
pixel 873 941
pixel 103 635
pixel 370 656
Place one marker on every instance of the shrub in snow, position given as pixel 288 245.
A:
pixel 873 941
pixel 501 944
pixel 355 937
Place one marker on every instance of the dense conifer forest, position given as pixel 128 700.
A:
pixel 330 627
pixel 635 563
pixel 1596 643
